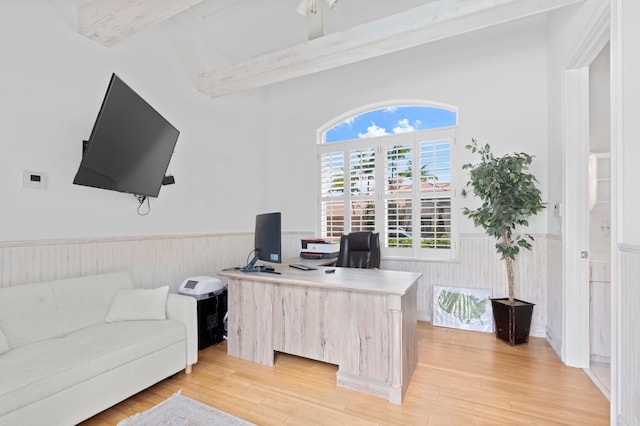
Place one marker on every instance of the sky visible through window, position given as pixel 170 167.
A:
pixel 389 121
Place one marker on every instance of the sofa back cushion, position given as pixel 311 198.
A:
pixel 35 312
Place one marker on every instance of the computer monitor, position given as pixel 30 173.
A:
pixel 267 242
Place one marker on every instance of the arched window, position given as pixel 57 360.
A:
pixel 389 170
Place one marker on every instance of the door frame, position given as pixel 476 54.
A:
pixel 575 350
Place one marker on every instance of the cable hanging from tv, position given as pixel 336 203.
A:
pixel 141 200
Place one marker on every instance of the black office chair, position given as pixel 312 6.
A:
pixel 359 250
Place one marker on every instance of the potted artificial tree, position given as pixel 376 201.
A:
pixel 509 197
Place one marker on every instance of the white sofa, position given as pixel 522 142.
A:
pixel 74 347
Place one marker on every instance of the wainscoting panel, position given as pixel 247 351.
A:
pixel 152 261
pixel 554 300
pixel 168 260
pixel 478 266
pixel 629 333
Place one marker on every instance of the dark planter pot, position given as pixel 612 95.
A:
pixel 512 321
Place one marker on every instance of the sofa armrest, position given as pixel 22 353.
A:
pixel 185 309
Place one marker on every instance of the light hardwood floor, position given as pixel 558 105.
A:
pixel 462 378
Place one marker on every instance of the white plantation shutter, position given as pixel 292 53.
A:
pixel 435 223
pixel 435 165
pixel 362 203
pixel 361 171
pixel 398 171
pixel 398 195
pixel 398 185
pixel 332 193
pixel 363 215
pixel 435 193
pixel 333 214
pixel 399 223
pixel 332 182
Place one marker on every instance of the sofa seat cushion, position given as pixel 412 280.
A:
pixel 39 369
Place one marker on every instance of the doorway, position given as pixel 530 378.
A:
pixel 600 221
pixel 577 295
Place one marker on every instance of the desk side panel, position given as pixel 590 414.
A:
pixel 249 327
pixel 403 352
pixel 410 332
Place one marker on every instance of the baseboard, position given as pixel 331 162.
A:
pixel 555 342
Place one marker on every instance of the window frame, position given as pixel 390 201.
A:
pixel 380 196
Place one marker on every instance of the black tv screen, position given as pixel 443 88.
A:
pixel 130 145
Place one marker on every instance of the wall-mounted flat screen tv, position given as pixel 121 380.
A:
pixel 130 145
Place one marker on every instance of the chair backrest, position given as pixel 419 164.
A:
pixel 359 250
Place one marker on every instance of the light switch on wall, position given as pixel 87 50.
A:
pixel 557 209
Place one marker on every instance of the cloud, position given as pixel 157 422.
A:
pixel 403 127
pixel 348 122
pixel 373 131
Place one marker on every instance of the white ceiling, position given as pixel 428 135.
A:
pixel 245 44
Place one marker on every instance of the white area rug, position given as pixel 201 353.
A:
pixel 180 410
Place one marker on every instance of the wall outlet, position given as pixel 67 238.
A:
pixel 34 180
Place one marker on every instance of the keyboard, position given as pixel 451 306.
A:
pixel 302 267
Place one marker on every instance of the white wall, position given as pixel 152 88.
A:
pixel 626 154
pixel 629 231
pixel 600 103
pixel 52 82
pixel 496 77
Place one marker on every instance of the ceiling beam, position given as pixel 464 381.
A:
pixel 108 21
pixel 433 21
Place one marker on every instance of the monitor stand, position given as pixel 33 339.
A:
pixel 251 267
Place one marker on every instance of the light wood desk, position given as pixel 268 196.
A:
pixel 362 320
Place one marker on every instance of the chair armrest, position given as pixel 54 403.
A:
pixel 185 309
